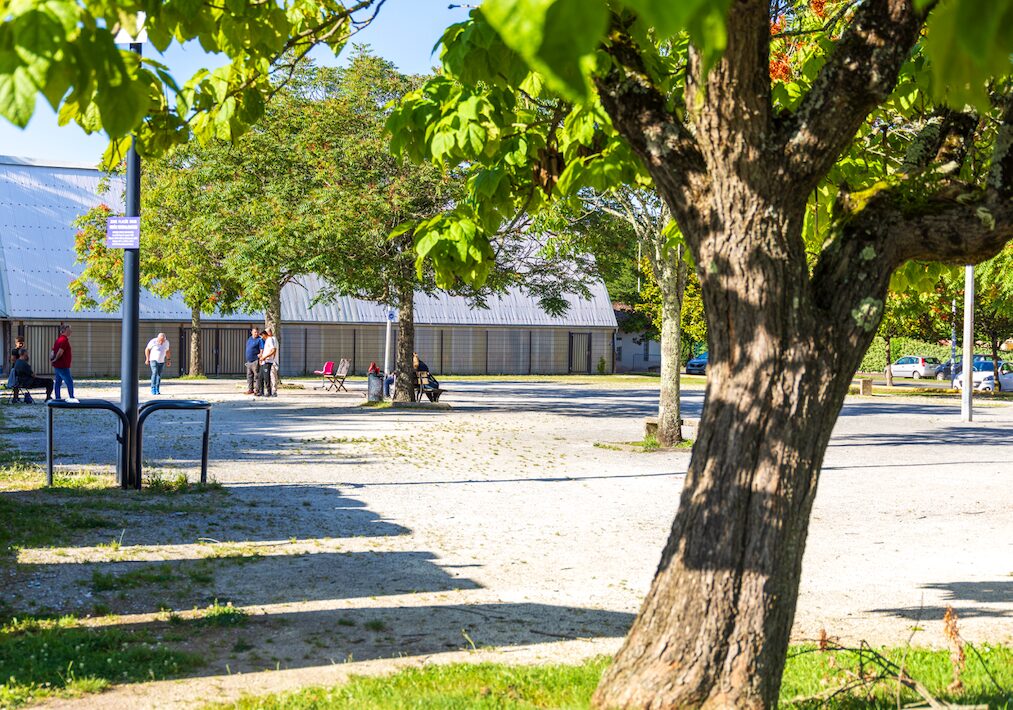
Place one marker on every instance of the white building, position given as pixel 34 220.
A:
pixel 40 201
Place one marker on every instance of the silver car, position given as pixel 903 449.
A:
pixel 915 366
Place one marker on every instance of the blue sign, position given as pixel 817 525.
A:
pixel 123 233
pixel 391 315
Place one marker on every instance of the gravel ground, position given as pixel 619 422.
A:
pixel 498 524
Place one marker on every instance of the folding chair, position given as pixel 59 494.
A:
pixel 326 373
pixel 337 380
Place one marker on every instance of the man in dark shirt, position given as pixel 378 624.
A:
pixel 25 378
pixel 254 346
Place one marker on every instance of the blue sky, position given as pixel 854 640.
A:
pixel 404 32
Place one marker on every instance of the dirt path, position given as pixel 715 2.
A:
pixel 359 535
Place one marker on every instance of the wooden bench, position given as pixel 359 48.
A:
pixel 422 388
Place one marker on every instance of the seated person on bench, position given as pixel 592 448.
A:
pixel 24 376
pixel 424 379
pixel 19 343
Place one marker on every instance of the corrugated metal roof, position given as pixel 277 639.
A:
pixel 39 203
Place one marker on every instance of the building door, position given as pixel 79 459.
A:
pixel 223 350
pixel 580 353
pixel 39 340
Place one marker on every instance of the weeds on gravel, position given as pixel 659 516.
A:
pixel 222 615
pixel 42 657
pixel 174 482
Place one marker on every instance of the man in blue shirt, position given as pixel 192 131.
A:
pixel 254 346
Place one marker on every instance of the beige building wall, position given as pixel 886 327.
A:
pixel 462 350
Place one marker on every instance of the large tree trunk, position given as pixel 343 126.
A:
pixel 404 389
pixel 196 362
pixel 714 628
pixel 670 271
pixel 784 342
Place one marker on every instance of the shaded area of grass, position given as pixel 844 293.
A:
pixel 810 680
pixel 42 657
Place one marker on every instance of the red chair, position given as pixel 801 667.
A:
pixel 327 375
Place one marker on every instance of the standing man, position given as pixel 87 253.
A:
pixel 156 354
pixel 267 359
pixel 60 358
pixel 254 346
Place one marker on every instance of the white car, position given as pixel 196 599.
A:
pixel 915 366
pixel 984 377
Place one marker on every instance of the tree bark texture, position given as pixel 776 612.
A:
pixel 196 362
pixel 272 320
pixel 404 385
pixel 670 271
pixel 784 343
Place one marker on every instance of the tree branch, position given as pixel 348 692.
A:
pixel 922 218
pixel 859 75
pixel 639 111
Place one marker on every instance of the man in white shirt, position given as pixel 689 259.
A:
pixel 156 354
pixel 268 358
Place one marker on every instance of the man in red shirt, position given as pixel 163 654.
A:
pixel 60 358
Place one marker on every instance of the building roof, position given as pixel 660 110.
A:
pixel 40 201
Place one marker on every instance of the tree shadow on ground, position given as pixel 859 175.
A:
pixel 942 436
pixel 966 599
pixel 236 643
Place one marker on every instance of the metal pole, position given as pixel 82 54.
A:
pixel 204 447
pixel 966 412
pixel 131 315
pixel 387 364
pixel 953 337
pixel 49 446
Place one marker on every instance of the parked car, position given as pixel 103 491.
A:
pixel 948 370
pixel 697 365
pixel 984 377
pixel 915 366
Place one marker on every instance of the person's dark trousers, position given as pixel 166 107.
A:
pixel 265 379
pixel 36 383
pixel 156 377
pixel 252 370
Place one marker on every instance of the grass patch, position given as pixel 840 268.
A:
pixel 647 445
pixel 809 678
pixel 173 482
pixel 222 615
pixel 191 377
pixel 140 577
pixel 42 657
pixel 385 404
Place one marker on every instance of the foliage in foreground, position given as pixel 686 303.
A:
pixel 810 678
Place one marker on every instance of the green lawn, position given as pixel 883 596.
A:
pixel 810 678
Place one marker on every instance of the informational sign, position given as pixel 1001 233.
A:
pixel 123 233
pixel 391 315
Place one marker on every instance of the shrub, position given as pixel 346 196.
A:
pixel 875 358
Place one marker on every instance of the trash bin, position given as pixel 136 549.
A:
pixel 374 387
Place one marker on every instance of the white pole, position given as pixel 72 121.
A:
pixel 966 413
pixel 387 364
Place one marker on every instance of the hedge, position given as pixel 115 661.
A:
pixel 875 358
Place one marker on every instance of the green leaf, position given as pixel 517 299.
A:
pixel 17 94
pixel 555 37
pixel 122 107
